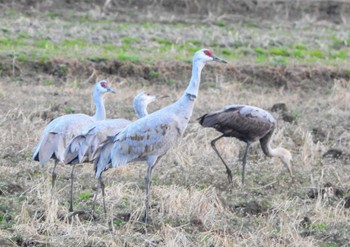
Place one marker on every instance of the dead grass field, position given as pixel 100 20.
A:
pixel 192 202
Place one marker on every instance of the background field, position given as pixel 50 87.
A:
pixel 291 52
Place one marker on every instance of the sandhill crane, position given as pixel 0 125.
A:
pixel 150 137
pixel 82 147
pixel 248 124
pixel 61 130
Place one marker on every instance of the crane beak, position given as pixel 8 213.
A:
pixel 217 59
pixel 158 96
pixel 110 90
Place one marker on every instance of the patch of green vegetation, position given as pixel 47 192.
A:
pixel 85 195
pixel 259 50
pixel 85 19
pixel 169 81
pixel 341 54
pixel 347 72
pixel 68 109
pixel 226 51
pixel 130 40
pixel 163 41
pixel 78 43
pixel 118 223
pixel 193 42
pixel 261 59
pixel 200 186
pixel 155 180
pixel 10 12
pixel 319 227
pixel 154 74
pixel 300 47
pixel 331 244
pixel 146 25
pixel 53 15
pixel 249 24
pixel 48 82
pixel 279 52
pixel 125 202
pixel 125 57
pixel 298 53
pixel 316 53
pixel 220 23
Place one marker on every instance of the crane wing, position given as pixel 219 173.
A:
pixel 241 121
pixel 144 137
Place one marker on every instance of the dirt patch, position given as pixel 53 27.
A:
pixel 288 77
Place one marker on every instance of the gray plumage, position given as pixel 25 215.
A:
pixel 248 124
pixel 83 147
pixel 58 133
pixel 149 138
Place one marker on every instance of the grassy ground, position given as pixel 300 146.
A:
pixel 48 64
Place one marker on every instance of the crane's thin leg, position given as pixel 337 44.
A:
pixel 71 189
pixel 102 186
pixel 148 180
pixel 245 161
pixel 54 175
pixel 228 170
pixel 148 187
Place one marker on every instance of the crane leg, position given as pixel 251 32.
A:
pixel 148 180
pixel 102 186
pixel 228 170
pixel 71 189
pixel 245 161
pixel 54 175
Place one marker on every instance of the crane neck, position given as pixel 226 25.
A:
pixel 193 86
pixel 100 111
pixel 140 109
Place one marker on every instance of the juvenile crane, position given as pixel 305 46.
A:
pixel 248 124
pixel 82 147
pixel 61 130
pixel 150 137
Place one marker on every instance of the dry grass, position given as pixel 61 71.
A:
pixel 192 203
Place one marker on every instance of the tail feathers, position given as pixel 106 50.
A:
pixel 72 151
pixel 102 157
pixel 51 146
pixel 201 119
pixel 88 151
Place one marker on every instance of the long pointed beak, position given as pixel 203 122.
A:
pixel 110 90
pixel 217 59
pixel 158 96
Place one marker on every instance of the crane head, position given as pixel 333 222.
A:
pixel 206 55
pixel 286 158
pixel 103 87
pixel 147 98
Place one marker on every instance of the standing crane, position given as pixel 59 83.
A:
pixel 61 130
pixel 150 137
pixel 82 147
pixel 248 124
